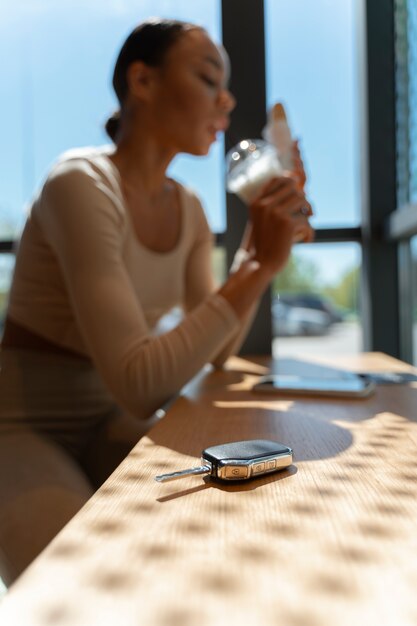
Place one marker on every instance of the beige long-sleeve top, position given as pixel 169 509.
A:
pixel 84 281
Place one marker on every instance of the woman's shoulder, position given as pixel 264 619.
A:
pixel 83 162
pixel 86 169
pixel 83 174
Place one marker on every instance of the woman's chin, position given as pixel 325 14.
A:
pixel 204 147
pixel 201 145
pixel 199 150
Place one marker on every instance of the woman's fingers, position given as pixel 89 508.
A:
pixel 292 205
pixel 279 217
pixel 304 233
pixel 285 199
pixel 309 235
pixel 280 187
pixel 273 240
pixel 278 191
pixel 305 211
pixel 273 185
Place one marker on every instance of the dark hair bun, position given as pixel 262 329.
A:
pixel 112 126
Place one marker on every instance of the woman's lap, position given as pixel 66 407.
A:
pixel 61 436
pixel 42 486
pixel 41 489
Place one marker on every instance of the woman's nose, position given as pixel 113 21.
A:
pixel 227 101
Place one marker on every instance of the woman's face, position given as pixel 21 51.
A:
pixel 190 100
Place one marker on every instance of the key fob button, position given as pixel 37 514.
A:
pixel 236 471
pixel 258 468
pixel 284 461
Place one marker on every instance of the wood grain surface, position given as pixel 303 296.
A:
pixel 331 540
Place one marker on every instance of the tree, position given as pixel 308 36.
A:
pixel 303 276
pixel 300 275
pixel 346 292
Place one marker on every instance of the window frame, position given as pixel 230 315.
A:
pixel 386 230
pixel 383 326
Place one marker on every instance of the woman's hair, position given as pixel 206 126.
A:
pixel 149 42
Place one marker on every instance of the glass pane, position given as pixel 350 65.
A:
pixel 312 69
pixel 412 73
pixel 315 306
pixel 402 103
pixel 406 100
pixel 414 295
pixel 55 89
pixel 6 272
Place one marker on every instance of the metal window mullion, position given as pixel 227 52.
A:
pixel 405 299
pixel 380 288
pixel 7 246
pixel 402 223
pixel 244 40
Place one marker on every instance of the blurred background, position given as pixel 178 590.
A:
pixel 354 288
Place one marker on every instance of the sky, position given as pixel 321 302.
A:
pixel 55 94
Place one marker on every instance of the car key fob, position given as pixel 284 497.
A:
pixel 239 460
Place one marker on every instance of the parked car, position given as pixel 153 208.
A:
pixel 290 321
pixel 313 301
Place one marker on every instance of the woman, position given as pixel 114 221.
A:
pixel 110 245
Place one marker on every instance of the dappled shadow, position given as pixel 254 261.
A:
pixel 310 434
pixel 315 428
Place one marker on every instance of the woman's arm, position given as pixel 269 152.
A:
pixel 275 218
pixel 200 282
pixel 85 231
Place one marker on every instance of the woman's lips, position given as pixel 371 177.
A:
pixel 223 124
pixel 219 126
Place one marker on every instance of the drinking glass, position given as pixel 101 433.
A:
pixel 249 165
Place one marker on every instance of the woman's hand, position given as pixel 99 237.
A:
pixel 278 215
pixel 275 217
pixel 304 231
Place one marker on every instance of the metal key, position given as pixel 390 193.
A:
pixel 239 460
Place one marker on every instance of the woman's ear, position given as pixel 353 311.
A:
pixel 140 79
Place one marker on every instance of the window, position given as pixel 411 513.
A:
pixel 56 100
pixel 412 60
pixel 6 271
pixel 311 66
pixel 414 296
pixel 412 38
pixel 316 301
pixel 403 221
pixel 56 92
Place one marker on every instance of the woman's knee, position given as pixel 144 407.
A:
pixel 41 489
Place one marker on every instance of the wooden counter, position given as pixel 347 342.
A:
pixel 331 540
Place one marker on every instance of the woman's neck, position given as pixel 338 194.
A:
pixel 142 162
